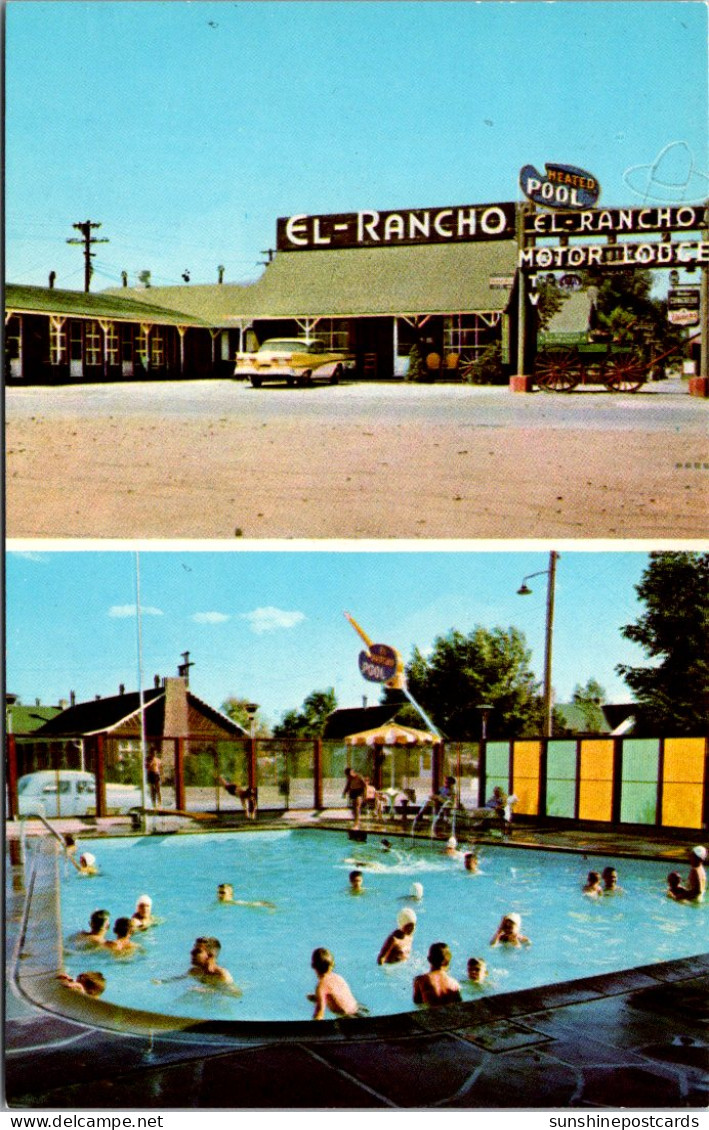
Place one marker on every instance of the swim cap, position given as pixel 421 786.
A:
pixel 416 890
pixel 144 900
pixel 452 842
pixel 87 859
pixel 514 917
pixel 700 852
pixel 406 917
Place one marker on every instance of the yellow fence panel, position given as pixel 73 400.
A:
pixel 683 782
pixel 526 767
pixel 596 780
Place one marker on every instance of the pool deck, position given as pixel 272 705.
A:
pixel 637 1040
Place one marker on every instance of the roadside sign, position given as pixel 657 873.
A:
pixel 562 186
pixel 379 664
pixel 683 304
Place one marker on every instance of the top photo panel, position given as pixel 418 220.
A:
pixel 353 270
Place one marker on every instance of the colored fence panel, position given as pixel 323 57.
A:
pixel 641 762
pixel 497 767
pixel 525 782
pixel 561 778
pixel 683 782
pixel 595 799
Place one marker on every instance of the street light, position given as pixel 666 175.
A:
pixel 484 709
pixel 524 590
pixel 251 709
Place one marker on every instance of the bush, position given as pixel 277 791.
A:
pixel 417 369
pixel 488 368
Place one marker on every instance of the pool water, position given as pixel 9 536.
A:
pixel 305 873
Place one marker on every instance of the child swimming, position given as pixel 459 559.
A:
pixel 332 991
pixel 91 983
pixel 593 887
pixel 507 933
pixel 477 970
pixel 437 986
pixel 397 946
pixel 225 894
pixel 356 882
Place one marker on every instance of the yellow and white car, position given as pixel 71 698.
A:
pixel 295 361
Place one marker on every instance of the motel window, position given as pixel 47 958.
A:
pixel 157 348
pixel 76 342
pixel 141 347
pixel 334 332
pixel 469 334
pixel 57 344
pixel 113 344
pixel 92 339
pixel 127 344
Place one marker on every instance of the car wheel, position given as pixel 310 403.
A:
pixel 306 379
pixel 336 375
pixel 256 382
pixel 291 382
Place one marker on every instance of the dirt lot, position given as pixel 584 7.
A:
pixel 346 467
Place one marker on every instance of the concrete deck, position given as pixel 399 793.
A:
pixel 632 1040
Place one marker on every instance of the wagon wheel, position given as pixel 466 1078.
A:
pixel 558 372
pixel 625 374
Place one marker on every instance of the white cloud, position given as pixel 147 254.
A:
pixel 272 619
pixel 122 611
pixel 210 617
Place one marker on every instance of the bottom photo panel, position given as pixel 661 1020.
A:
pixel 356 829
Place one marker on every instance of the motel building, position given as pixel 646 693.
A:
pixel 454 280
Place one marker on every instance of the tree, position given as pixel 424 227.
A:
pixel 308 722
pixel 236 709
pixel 589 700
pixel 463 673
pixel 674 631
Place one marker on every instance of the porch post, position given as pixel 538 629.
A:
pixel 100 776
pixel 11 747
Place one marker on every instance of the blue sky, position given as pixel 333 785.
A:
pixel 270 625
pixel 186 129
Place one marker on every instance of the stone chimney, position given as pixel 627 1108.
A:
pixel 176 723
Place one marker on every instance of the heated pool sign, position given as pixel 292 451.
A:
pixel 562 186
pixel 380 663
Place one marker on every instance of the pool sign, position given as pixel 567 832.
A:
pixel 563 186
pixel 380 663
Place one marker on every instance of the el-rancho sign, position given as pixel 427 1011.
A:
pixel 451 224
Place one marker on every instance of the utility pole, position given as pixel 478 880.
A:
pixel 88 240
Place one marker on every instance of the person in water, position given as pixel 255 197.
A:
pixel 397 946
pixel 356 882
pixel 122 946
pixel 225 894
pixel 332 991
pixel 203 963
pixel 437 986
pixel 142 917
pixel 87 864
pixel 91 983
pixel 593 886
pixel 470 861
pixel 477 970
pixel 508 932
pixel 610 882
pixel 96 934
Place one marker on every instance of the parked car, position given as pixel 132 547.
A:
pixel 71 792
pixel 295 361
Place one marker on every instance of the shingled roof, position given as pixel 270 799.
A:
pixel 454 278
pixel 121 306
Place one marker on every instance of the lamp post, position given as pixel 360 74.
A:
pixel 484 709
pixel 523 590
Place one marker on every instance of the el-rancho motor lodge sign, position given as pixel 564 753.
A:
pixel 452 224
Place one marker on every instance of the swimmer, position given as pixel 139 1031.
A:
pixel 507 933
pixel 451 848
pixel 477 970
pixel 696 880
pixel 87 864
pixel 122 946
pixel 416 891
pixel 204 968
pixel 225 894
pixel 593 886
pixel 675 890
pixel 471 861
pixel 610 882
pixel 386 845
pixel 142 917
pixel 91 983
pixel 397 946
pixel 437 986
pixel 356 882
pixel 332 991
pixel 96 934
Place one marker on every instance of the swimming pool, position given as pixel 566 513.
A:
pixel 305 874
